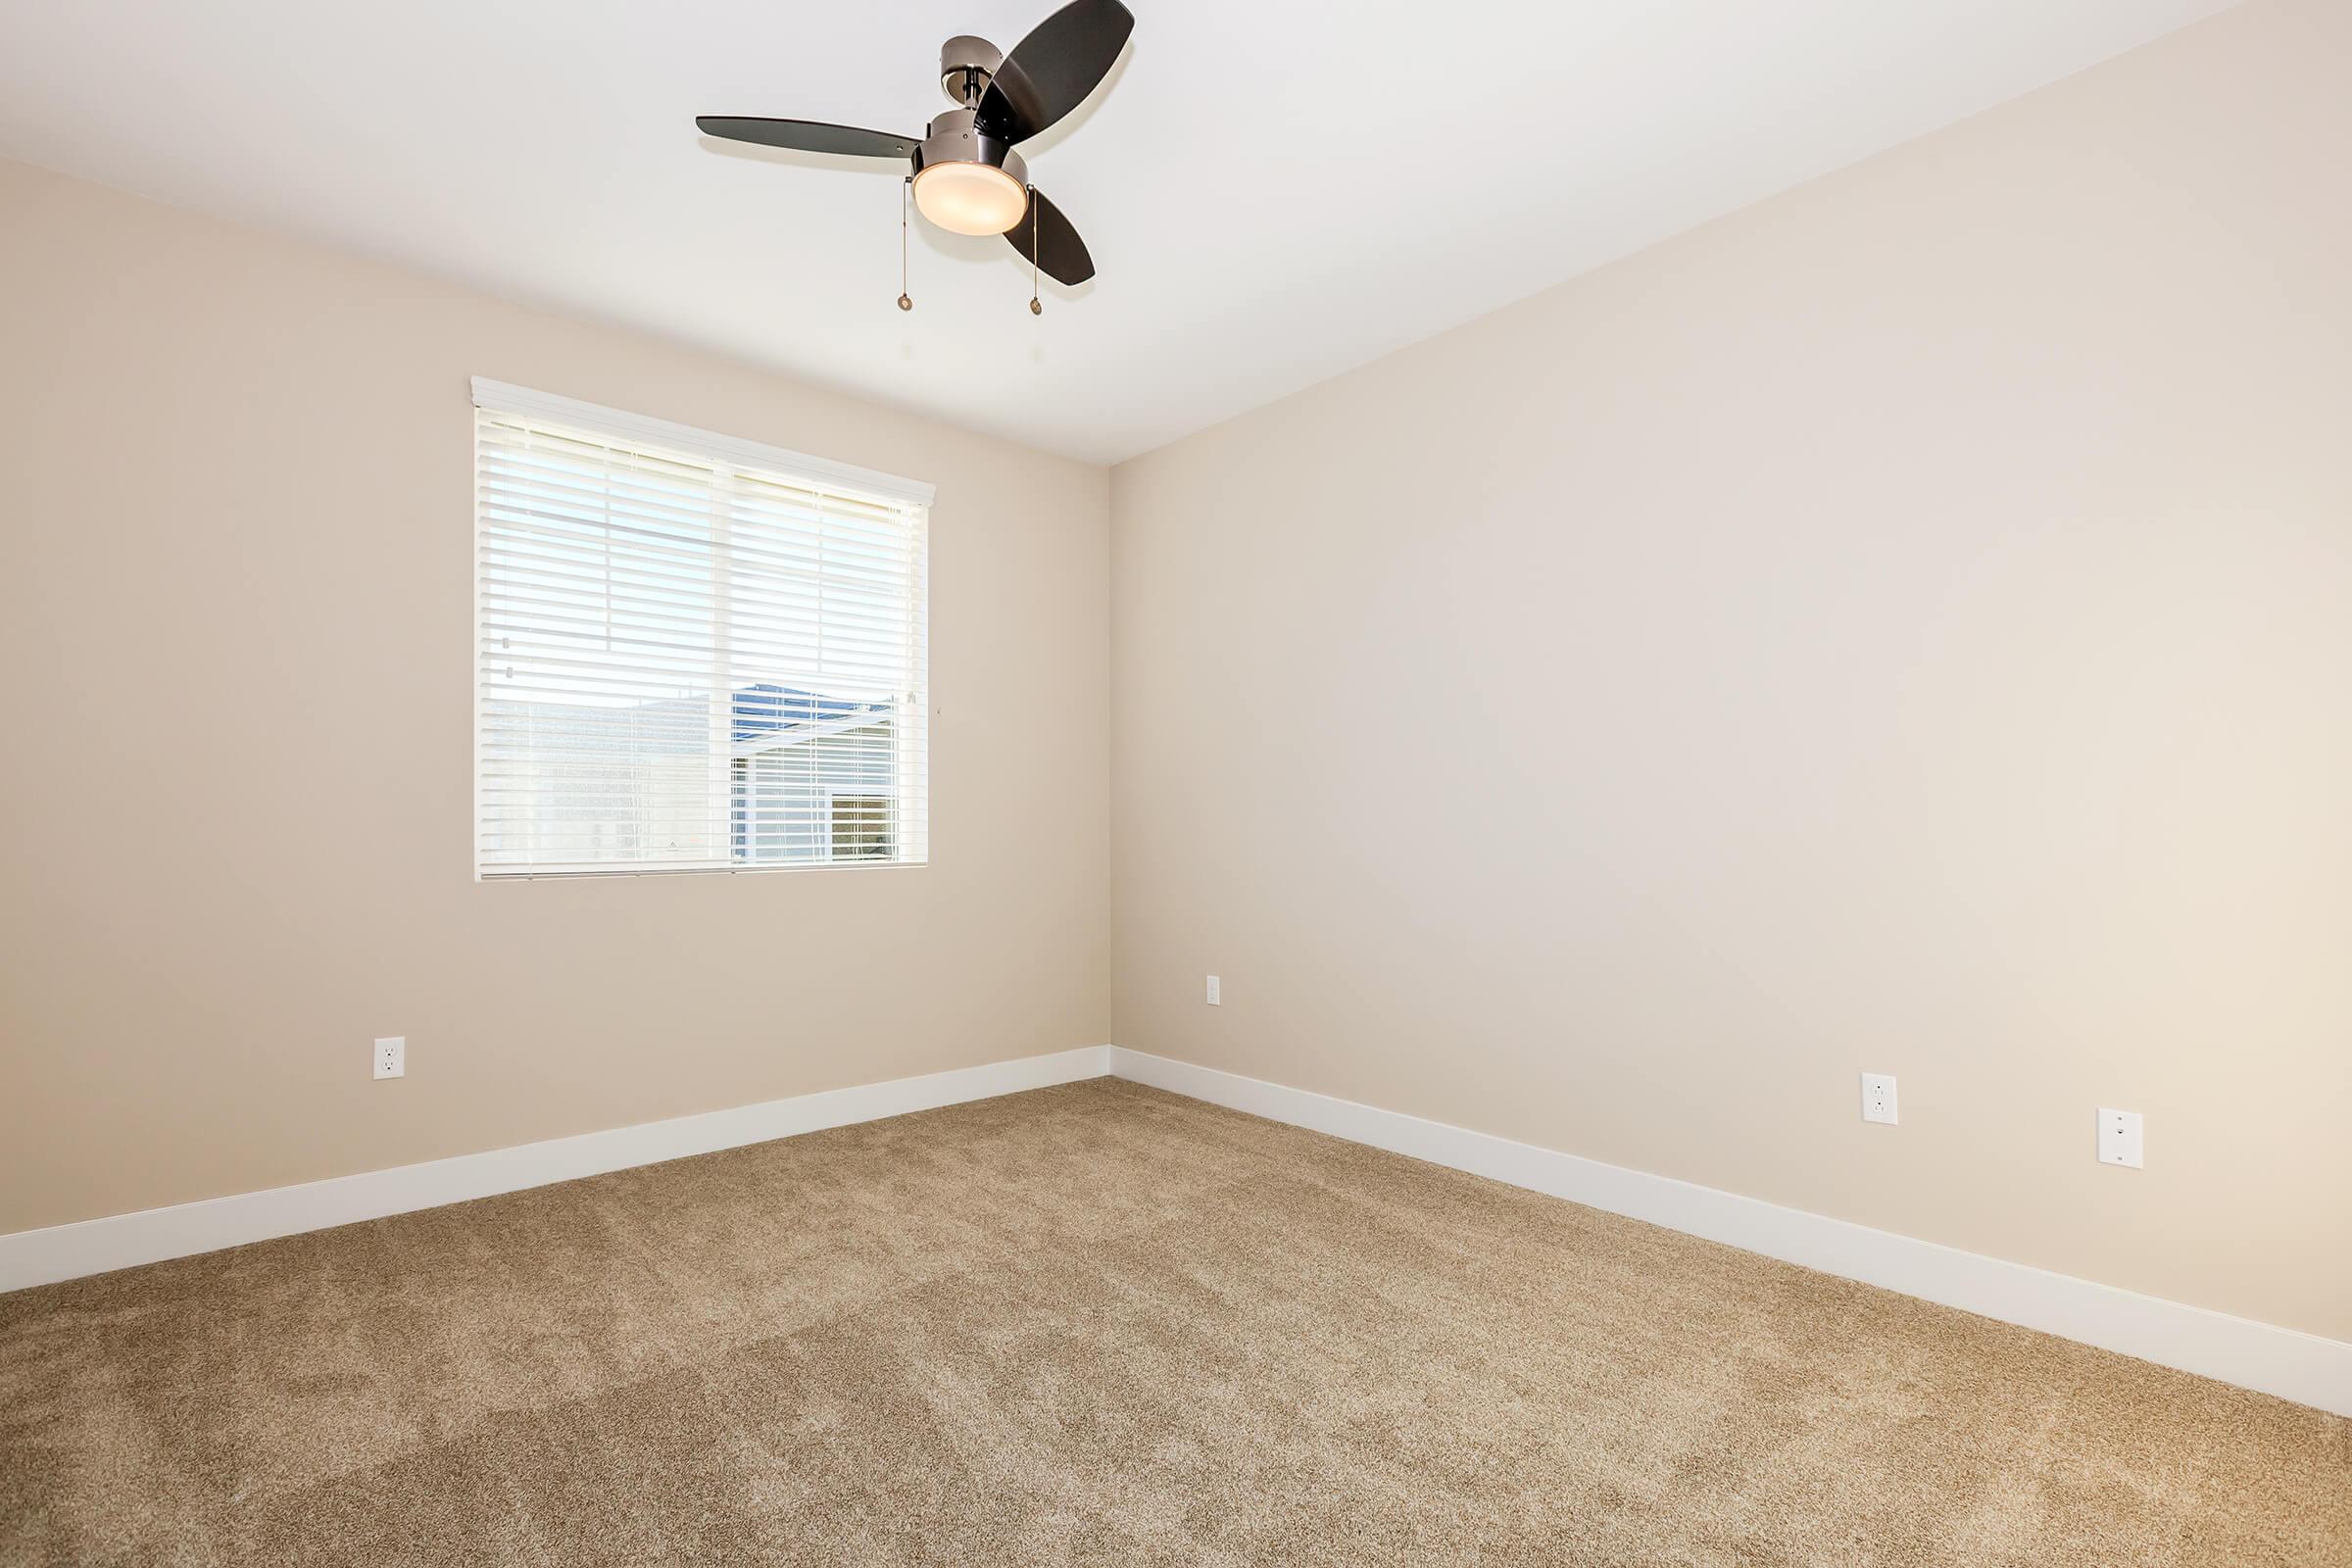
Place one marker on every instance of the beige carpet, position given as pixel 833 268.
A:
pixel 1095 1324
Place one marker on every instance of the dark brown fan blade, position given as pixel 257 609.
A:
pixel 1051 71
pixel 1060 253
pixel 807 136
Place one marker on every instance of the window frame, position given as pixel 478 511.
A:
pixel 662 436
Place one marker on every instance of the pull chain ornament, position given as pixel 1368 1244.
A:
pixel 906 194
pixel 1035 308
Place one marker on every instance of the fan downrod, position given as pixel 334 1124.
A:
pixel 966 66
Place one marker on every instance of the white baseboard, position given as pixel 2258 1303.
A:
pixel 2292 1365
pixel 2296 1366
pixel 149 1235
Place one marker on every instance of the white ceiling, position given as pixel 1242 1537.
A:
pixel 1273 192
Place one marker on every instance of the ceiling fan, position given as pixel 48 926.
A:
pixel 967 179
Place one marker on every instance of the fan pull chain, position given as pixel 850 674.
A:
pixel 906 194
pixel 1035 308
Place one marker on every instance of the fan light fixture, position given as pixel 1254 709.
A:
pixel 970 198
pixel 966 180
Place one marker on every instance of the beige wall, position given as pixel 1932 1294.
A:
pixel 235 600
pixel 1906 625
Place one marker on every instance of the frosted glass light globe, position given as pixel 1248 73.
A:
pixel 970 198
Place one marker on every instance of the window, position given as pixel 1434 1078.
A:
pixel 861 827
pixel 693 652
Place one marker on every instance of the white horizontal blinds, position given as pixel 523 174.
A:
pixel 690 662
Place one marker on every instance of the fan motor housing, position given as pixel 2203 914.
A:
pixel 954 138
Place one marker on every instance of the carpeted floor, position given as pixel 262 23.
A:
pixel 1095 1324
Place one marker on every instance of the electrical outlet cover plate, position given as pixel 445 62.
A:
pixel 1878 1098
pixel 391 1056
pixel 2120 1140
pixel 1216 992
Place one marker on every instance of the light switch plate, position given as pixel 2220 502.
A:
pixel 2119 1139
pixel 1878 1098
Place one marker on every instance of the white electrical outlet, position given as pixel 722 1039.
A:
pixel 1216 992
pixel 1878 1098
pixel 2119 1138
pixel 391 1056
